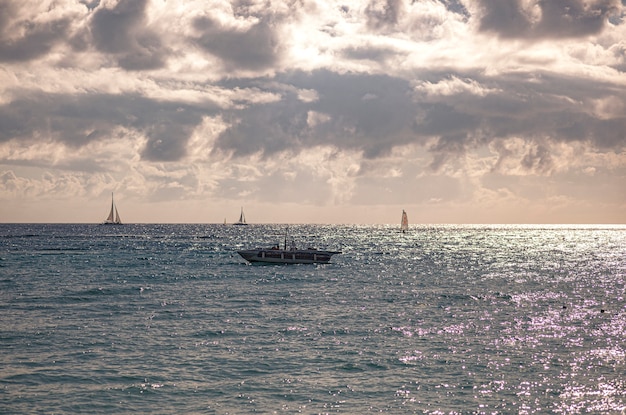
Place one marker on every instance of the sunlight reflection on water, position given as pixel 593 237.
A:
pixel 443 319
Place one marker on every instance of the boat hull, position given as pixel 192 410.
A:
pixel 279 256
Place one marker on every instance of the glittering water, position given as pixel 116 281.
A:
pixel 442 320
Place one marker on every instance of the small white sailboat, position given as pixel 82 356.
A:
pixel 404 222
pixel 114 216
pixel 242 219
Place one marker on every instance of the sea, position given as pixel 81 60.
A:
pixel 443 319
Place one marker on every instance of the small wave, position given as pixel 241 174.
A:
pixel 351 367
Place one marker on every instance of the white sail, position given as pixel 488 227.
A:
pixel 404 222
pixel 110 217
pixel 114 216
pixel 242 219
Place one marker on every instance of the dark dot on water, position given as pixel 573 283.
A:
pixel 602 310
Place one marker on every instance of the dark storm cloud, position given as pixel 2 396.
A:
pixel 557 18
pixel 538 159
pixel 444 119
pixel 373 53
pixel 169 133
pixel 546 110
pixel 267 128
pixel 446 148
pixel 91 4
pixel 504 17
pixel 255 48
pixel 22 40
pixel 374 114
pixel 368 113
pixel 557 106
pixel 121 32
pixel 573 18
pixel 382 13
pixel 112 29
pixel 456 6
pixel 79 120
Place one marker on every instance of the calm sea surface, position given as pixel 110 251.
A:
pixel 442 320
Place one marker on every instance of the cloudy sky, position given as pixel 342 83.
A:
pixel 313 111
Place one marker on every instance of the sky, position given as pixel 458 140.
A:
pixel 311 111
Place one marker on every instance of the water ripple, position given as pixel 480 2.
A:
pixel 442 320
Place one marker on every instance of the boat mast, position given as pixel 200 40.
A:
pixel 286 229
pixel 110 218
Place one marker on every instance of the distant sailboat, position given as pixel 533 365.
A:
pixel 404 223
pixel 242 219
pixel 114 217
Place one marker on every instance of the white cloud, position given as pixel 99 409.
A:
pixel 463 102
pixel 452 86
pixel 315 118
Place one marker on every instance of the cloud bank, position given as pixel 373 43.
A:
pixel 464 110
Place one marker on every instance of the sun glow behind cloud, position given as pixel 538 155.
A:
pixel 350 111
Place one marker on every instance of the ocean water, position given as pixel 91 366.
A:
pixel 442 320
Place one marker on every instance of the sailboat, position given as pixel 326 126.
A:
pixel 404 223
pixel 114 217
pixel 242 219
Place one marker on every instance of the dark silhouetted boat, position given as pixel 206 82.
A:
pixel 291 255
